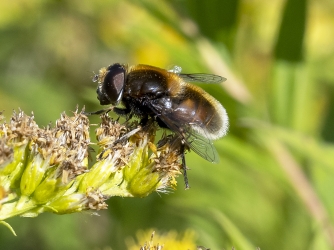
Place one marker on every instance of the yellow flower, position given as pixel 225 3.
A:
pixel 46 169
pixel 171 240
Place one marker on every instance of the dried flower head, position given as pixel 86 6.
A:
pixel 46 169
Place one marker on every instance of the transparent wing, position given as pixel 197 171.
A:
pixel 200 144
pixel 195 137
pixel 201 77
pixel 196 77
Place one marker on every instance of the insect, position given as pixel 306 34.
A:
pixel 167 97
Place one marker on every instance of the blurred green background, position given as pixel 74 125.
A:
pixel 274 185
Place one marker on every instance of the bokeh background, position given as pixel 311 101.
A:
pixel 274 185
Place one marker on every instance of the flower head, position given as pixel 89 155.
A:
pixel 46 169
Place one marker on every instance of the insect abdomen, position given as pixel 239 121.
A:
pixel 200 109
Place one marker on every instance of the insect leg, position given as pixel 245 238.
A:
pixel 124 112
pixel 184 167
pixel 129 134
pixel 144 121
pixel 123 138
pixel 99 112
pixel 121 111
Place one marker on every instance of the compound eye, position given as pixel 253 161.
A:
pixel 113 83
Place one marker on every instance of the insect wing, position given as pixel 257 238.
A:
pixel 200 144
pixel 201 77
pixel 194 136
